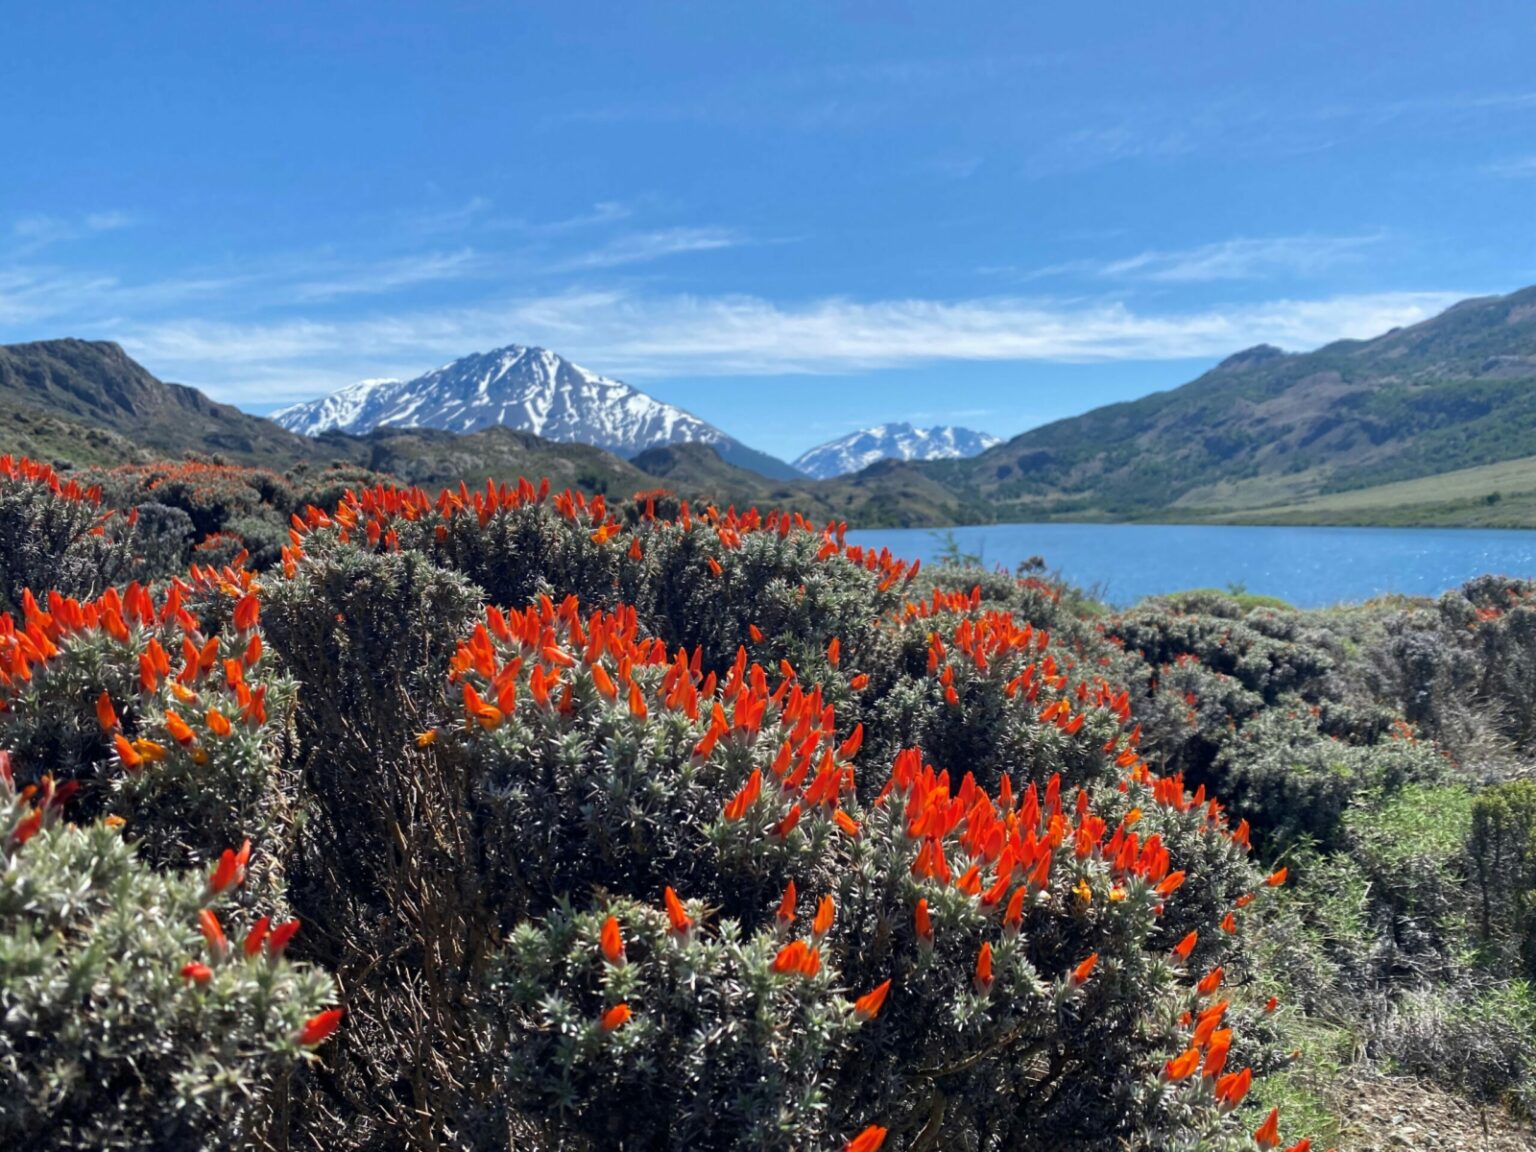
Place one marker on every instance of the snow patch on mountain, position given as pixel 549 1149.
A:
pixel 858 450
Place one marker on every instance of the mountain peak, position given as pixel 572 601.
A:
pixel 898 440
pixel 1248 357
pixel 527 388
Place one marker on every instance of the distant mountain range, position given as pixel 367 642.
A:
pixel 1431 424
pixel 528 389
pixel 858 450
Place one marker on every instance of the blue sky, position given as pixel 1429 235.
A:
pixel 792 219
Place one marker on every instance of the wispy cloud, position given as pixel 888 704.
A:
pixel 629 335
pixel 33 233
pixel 641 247
pixel 1519 167
pixel 376 278
pixel 1244 259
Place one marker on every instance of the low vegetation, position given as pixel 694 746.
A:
pixel 346 815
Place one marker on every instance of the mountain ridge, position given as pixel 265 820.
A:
pixel 892 441
pixel 527 388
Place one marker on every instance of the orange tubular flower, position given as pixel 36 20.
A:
pixel 196 973
pixel 682 923
pixel 256 937
pixel 213 932
pixel 612 941
pixel 230 870
pixel 616 1017
pixel 280 937
pixel 178 728
pixel 869 1140
pixel 1302 1145
pixel 131 759
pixel 845 823
pixel 1267 1135
pixel 106 715
pixel 247 611
pixel 1181 1067
pixel 1229 924
pixel 1171 884
pixel 1232 1087
pixel 1277 877
pixel 859 682
pixel 218 723
pixel 1210 982
pixel 790 958
pixel 1185 946
pixel 756 633
pixel 318 1028
pixel 1084 970
pixel 825 911
pixel 786 913
pixel 637 707
pixel 923 922
pixel 868 1006
pixel 984 968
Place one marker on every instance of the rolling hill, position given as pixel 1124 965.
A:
pixel 1266 430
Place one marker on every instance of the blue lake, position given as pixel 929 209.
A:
pixel 1309 567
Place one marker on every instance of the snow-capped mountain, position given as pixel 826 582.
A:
pixel 531 389
pixel 891 442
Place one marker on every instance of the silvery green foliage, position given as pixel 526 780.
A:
pixel 103 1043
pixel 49 540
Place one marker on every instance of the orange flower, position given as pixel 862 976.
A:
pixel 868 1140
pixel 1210 983
pixel 127 753
pixel 984 968
pixel 1232 1087
pixel 616 1017
pixel 106 715
pixel 178 728
pixel 1181 1067
pixel 756 633
pixel 280 937
pixel 786 913
pixel 612 941
pixel 834 651
pixel 1302 1145
pixel 790 958
pixel 247 611
pixel 859 682
pixel 845 823
pixel 714 567
pixel 427 737
pixel 825 911
pixel 1185 946
pixel 1267 1134
pixel 213 932
pixel 196 973
pixel 1084 970
pixel 1229 924
pixel 682 923
pixel 231 869
pixel 256 936
pixel 637 707
pixel 1171 884
pixel 1271 1004
pixel 318 1028
pixel 923 922
pixel 1277 877
pixel 868 1006
pixel 218 723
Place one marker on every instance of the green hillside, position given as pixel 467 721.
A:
pixel 1265 430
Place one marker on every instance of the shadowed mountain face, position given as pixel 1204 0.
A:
pixel 528 389
pixel 88 402
pixel 1266 428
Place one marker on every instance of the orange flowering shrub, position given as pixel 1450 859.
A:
pixel 133 1014
pixel 173 729
pixel 56 534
